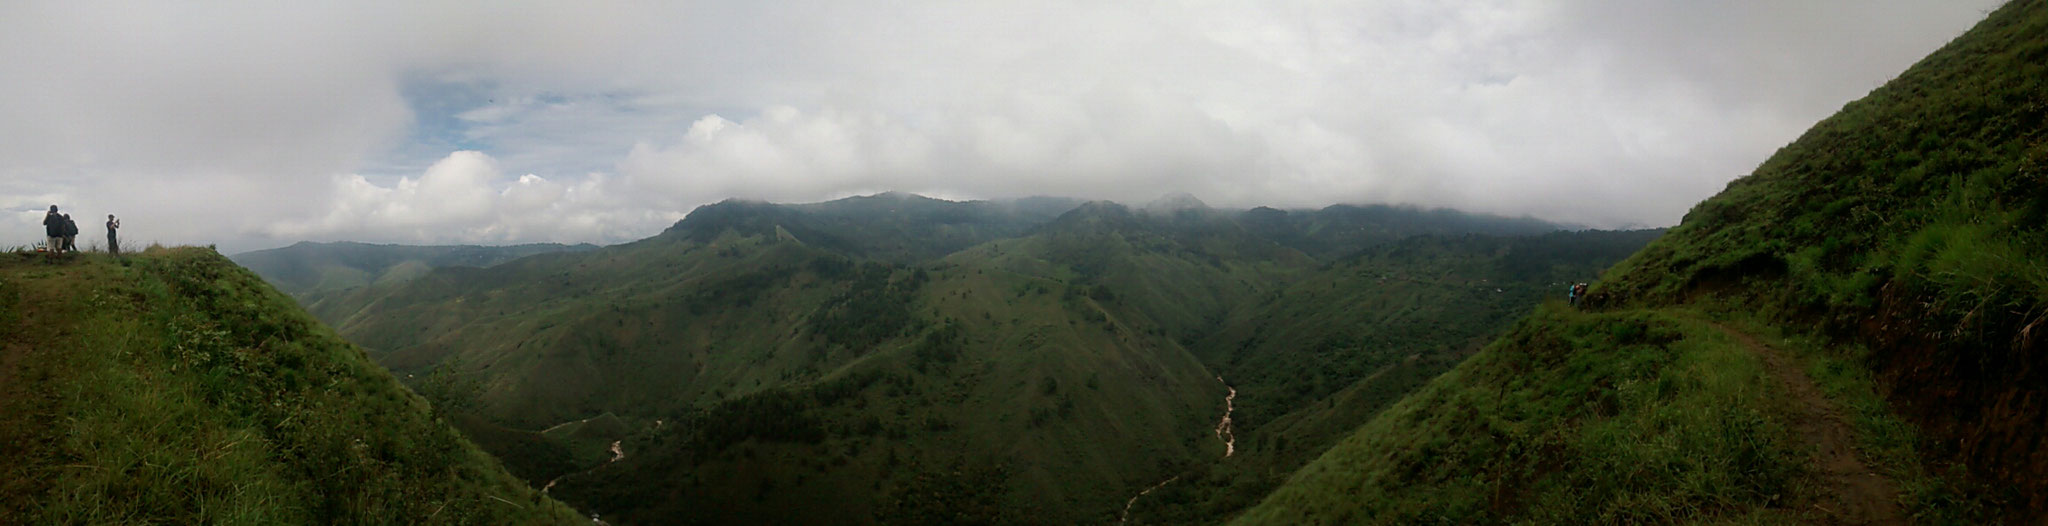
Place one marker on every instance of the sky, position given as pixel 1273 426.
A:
pixel 259 124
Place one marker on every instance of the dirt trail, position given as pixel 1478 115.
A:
pixel 1851 492
pixel 618 454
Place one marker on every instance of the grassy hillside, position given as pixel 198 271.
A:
pixel 1317 358
pixel 1886 269
pixel 1909 230
pixel 961 364
pixel 174 387
pixel 309 268
pixel 764 358
pixel 1617 417
pixel 1029 401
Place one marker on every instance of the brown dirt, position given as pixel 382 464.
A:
pixel 1850 493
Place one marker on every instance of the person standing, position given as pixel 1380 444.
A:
pixel 113 244
pixel 70 235
pixel 53 228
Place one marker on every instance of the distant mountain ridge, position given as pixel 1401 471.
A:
pixel 902 356
pixel 308 267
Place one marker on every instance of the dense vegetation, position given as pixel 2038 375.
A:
pixel 174 387
pixel 1895 251
pixel 309 268
pixel 1314 360
pixel 902 357
pixel 1622 417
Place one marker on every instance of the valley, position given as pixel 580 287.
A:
pixel 1010 359
pixel 661 276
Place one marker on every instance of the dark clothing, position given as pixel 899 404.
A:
pixel 113 245
pixel 70 235
pixel 53 225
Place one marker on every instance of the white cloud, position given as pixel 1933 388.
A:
pixel 258 125
pixel 465 198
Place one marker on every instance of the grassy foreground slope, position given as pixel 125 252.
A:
pixel 1911 229
pixel 174 387
pixel 1897 249
pixel 1570 418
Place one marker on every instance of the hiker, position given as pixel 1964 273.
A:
pixel 70 235
pixel 53 228
pixel 1578 293
pixel 113 245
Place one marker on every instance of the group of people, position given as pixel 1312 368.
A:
pixel 1578 293
pixel 63 233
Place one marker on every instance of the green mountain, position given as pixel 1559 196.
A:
pixel 864 361
pixel 309 268
pixel 1315 359
pixel 173 387
pixel 1847 335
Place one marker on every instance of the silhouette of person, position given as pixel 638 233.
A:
pixel 70 234
pixel 113 244
pixel 53 228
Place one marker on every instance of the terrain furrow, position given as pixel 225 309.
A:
pixel 1851 492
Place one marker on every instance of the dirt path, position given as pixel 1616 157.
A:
pixel 1851 492
pixel 1126 517
pixel 618 454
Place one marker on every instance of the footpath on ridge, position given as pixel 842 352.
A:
pixel 1850 492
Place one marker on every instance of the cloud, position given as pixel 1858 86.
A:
pixel 467 198
pixel 257 125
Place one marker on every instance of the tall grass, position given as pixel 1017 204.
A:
pixel 1571 418
pixel 184 391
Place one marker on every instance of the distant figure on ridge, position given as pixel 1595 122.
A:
pixel 113 245
pixel 1578 293
pixel 70 235
pixel 53 228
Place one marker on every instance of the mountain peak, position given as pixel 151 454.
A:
pixel 1175 202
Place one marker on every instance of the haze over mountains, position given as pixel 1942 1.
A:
pixel 895 356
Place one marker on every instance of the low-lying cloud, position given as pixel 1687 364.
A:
pixel 604 122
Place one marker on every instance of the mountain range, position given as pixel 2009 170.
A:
pixel 892 357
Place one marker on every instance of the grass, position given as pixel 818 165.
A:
pixel 1884 440
pixel 1571 418
pixel 1904 234
pixel 174 387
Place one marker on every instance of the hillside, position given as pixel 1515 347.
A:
pixel 174 387
pixel 308 268
pixel 1846 335
pixel 1315 359
pixel 766 358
